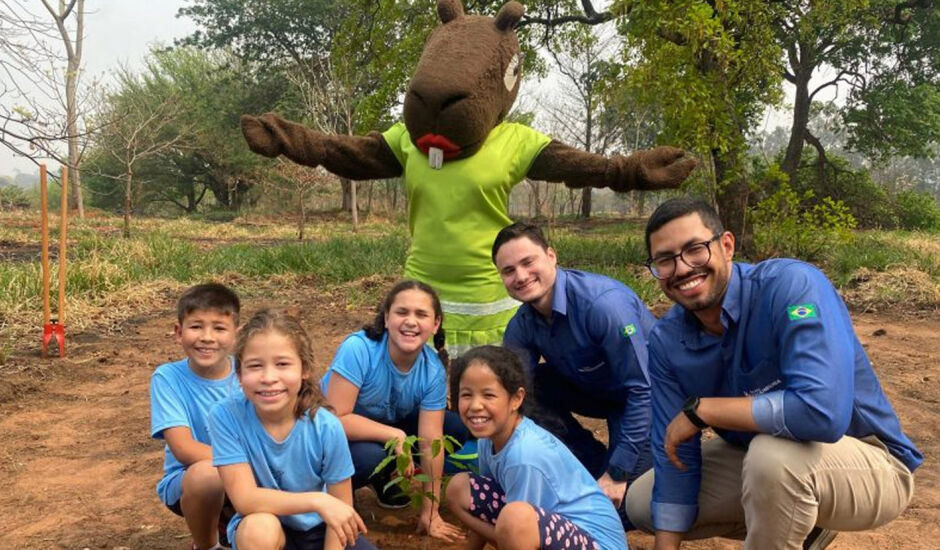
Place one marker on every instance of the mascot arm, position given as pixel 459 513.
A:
pixel 353 157
pixel 651 169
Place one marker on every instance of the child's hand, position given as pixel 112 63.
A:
pixel 435 526
pixel 342 519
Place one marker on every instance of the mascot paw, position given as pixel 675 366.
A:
pixel 665 167
pixel 260 138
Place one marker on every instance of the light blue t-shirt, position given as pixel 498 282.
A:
pixel 387 394
pixel 181 398
pixel 314 454
pixel 535 467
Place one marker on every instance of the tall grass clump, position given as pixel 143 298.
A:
pixel 333 261
pixel 619 256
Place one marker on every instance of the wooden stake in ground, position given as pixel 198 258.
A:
pixel 53 328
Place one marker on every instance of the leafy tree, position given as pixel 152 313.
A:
pixel 884 52
pixel 139 126
pixel 209 91
pixel 710 68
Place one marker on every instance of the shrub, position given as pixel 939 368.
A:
pixel 918 211
pixel 796 225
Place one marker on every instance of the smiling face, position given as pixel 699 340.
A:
pixel 528 271
pixel 485 406
pixel 697 289
pixel 207 337
pixel 410 322
pixel 271 372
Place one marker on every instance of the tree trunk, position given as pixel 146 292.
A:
pixel 74 56
pixel 732 196
pixel 801 108
pixel 300 222
pixel 127 203
pixel 586 202
pixel 353 202
pixel 347 194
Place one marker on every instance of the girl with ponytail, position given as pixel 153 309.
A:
pixel 385 383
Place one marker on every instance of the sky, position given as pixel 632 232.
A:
pixel 116 32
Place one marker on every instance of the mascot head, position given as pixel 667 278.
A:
pixel 466 80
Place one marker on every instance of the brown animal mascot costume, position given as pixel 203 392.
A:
pixel 460 160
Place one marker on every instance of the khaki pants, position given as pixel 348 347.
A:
pixel 772 494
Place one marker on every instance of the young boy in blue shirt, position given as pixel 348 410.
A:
pixel 765 355
pixel 181 394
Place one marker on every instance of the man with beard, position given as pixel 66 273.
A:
pixel 591 330
pixel 766 356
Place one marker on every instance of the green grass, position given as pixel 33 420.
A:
pixel 107 273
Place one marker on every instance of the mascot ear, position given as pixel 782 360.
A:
pixel 508 16
pixel 448 10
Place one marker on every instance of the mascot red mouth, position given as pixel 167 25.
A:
pixel 427 141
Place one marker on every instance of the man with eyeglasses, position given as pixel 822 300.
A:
pixel 591 331
pixel 766 356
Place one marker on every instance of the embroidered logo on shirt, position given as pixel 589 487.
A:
pixel 628 330
pixel 801 311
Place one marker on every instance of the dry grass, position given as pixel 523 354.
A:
pixel 900 288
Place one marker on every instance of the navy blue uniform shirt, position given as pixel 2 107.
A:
pixel 596 340
pixel 788 340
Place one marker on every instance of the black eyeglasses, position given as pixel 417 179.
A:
pixel 693 255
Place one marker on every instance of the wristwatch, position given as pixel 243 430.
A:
pixel 689 408
pixel 616 473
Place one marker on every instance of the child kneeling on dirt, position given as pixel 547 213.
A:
pixel 531 491
pixel 282 455
pixel 385 383
pixel 181 394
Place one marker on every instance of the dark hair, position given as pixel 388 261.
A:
pixel 517 231
pixel 679 207
pixel 505 364
pixel 377 329
pixel 310 397
pixel 208 296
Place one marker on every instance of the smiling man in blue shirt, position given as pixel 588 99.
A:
pixel 591 330
pixel 766 356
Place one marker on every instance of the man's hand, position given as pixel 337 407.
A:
pixel 678 431
pixel 615 490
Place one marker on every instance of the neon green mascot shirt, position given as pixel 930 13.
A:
pixel 454 214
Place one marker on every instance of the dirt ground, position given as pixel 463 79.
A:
pixel 78 468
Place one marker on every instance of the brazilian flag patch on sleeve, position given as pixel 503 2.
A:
pixel 628 330
pixel 801 311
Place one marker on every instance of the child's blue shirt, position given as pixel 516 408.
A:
pixel 181 398
pixel 535 467
pixel 314 454
pixel 387 394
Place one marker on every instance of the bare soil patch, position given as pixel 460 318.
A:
pixel 78 468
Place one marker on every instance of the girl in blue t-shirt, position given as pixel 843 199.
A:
pixel 282 456
pixel 531 492
pixel 386 382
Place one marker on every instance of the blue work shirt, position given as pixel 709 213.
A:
pixel 535 467
pixel 596 340
pixel 386 394
pixel 788 341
